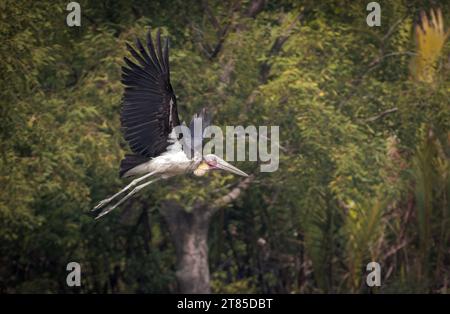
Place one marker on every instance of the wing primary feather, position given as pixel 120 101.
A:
pixel 144 53
pixel 166 58
pixel 138 69
pixel 147 57
pixel 149 110
pixel 151 49
pixel 136 55
pixel 159 50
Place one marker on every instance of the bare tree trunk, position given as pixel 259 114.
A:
pixel 190 236
pixel 189 232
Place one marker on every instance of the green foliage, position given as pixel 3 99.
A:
pixel 364 165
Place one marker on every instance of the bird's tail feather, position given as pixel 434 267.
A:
pixel 129 162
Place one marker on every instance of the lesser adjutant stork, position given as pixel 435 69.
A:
pixel 149 117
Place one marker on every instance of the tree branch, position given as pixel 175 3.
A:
pixel 381 115
pixel 231 196
pixel 276 48
pixel 255 8
pixel 221 32
pixel 375 62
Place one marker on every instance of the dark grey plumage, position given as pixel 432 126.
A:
pixel 149 106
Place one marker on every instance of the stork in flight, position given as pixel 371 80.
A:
pixel 149 117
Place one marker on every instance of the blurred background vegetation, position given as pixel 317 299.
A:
pixel 364 123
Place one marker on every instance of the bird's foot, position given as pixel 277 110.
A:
pixel 102 204
pixel 106 210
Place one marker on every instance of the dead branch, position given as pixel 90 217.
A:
pixel 381 115
pixel 231 196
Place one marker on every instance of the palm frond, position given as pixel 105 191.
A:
pixel 430 37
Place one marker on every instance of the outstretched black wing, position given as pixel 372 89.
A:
pixel 149 110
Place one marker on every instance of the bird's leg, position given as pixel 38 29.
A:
pixel 134 191
pixel 129 186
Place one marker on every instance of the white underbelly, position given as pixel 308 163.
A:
pixel 169 165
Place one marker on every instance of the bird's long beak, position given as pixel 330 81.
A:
pixel 222 164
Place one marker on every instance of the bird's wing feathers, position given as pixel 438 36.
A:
pixel 149 109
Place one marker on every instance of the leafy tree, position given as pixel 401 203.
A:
pixel 364 134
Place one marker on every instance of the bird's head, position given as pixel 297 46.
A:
pixel 213 162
